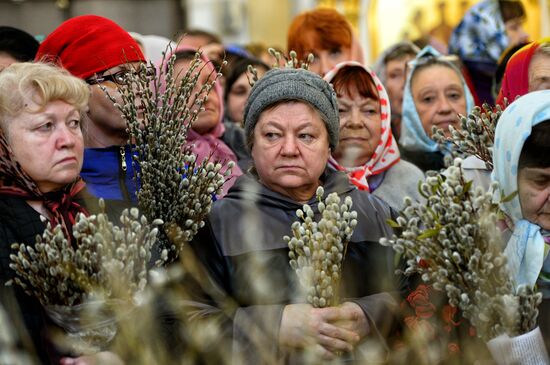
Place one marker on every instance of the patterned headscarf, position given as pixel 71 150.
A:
pixel 515 81
pixel 413 135
pixel 481 35
pixel 16 182
pixel 525 249
pixel 386 153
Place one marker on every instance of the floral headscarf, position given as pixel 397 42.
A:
pixel 515 81
pixel 413 136
pixel 525 249
pixel 60 204
pixel 481 35
pixel 386 153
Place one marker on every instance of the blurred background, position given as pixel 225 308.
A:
pixel 378 24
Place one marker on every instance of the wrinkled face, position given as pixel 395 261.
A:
pixel 534 195
pixel 48 144
pixel 211 116
pixel 360 129
pixel 238 94
pixel 539 73
pixel 439 97
pixel 326 59
pixel 396 75
pixel 101 109
pixel 290 148
pixel 515 31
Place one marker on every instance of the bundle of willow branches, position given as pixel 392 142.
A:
pixel 476 135
pixel 317 249
pixel 104 259
pixel 172 185
pixel 453 242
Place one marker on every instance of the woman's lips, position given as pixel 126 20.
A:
pixel 68 160
pixel 353 139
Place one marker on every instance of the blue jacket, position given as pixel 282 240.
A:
pixel 104 175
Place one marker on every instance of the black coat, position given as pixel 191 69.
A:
pixel 20 223
pixel 425 161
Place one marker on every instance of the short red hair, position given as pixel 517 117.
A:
pixel 318 29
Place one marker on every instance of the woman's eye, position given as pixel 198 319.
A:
pixel 306 137
pixel 75 123
pixel 427 99
pixel 343 110
pixel 395 75
pixel 454 95
pixel 541 182
pixel 271 136
pixel 335 52
pixel 239 91
pixel 369 111
pixel 46 127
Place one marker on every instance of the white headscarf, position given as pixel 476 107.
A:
pixel 525 249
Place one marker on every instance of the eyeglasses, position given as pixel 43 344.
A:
pixel 120 77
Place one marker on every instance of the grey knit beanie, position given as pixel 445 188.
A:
pixel 293 84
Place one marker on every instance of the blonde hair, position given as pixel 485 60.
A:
pixel 40 83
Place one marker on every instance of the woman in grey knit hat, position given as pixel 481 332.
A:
pixel 291 123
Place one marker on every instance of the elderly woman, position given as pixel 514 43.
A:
pixel 41 152
pixel 435 95
pixel 522 163
pixel 41 106
pixel 291 123
pixel 528 70
pixel 366 150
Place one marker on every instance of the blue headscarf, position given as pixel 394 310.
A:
pixel 525 249
pixel 413 136
pixel 481 35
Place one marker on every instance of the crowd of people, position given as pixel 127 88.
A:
pixel 360 131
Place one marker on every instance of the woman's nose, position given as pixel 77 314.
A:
pixel 444 106
pixel 355 119
pixel 289 147
pixel 65 137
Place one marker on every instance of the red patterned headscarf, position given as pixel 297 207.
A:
pixel 386 153
pixel 515 81
pixel 16 182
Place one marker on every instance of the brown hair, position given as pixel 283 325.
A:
pixel 318 29
pixel 350 79
pixel 400 52
pixel 511 9
pixel 536 150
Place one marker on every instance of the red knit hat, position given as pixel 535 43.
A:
pixel 89 44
